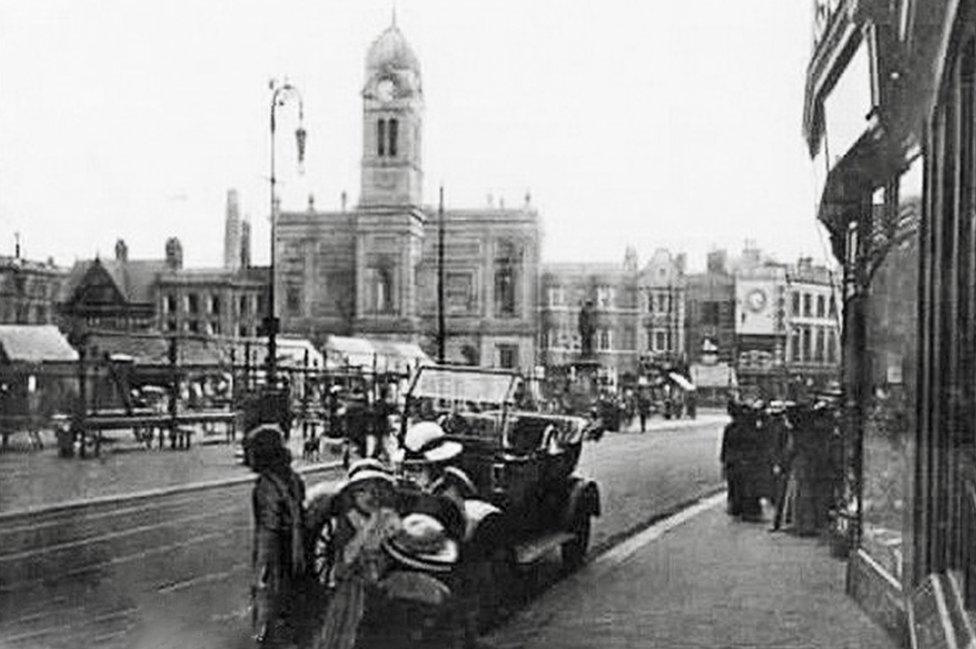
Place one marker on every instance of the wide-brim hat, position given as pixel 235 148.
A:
pixel 366 472
pixel 422 543
pixel 426 442
pixel 454 477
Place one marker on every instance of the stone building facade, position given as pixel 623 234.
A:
pixel 639 313
pixel 372 270
pixel 710 311
pixel 29 290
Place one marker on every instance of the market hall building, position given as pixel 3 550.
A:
pixel 889 121
pixel 372 270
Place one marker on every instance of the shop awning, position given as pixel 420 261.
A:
pixel 682 382
pixel 34 344
pixel 356 352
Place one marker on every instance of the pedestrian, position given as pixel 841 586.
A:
pixel 752 457
pixel 805 471
pixel 278 554
pixel 356 421
pixel 730 459
pixel 643 409
pixel 779 436
pixel 367 517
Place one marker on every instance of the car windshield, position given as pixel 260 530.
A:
pixel 460 386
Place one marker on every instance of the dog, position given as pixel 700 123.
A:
pixel 311 450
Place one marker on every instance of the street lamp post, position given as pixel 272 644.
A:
pixel 280 93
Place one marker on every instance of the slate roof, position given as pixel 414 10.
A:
pixel 134 278
pixel 34 344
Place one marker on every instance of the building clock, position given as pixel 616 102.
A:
pixel 385 89
pixel 756 300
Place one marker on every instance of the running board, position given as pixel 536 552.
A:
pixel 534 549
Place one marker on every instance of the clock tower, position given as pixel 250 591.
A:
pixel 393 104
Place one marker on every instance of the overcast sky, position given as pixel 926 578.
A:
pixel 662 124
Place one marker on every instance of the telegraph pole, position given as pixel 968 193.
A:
pixel 441 327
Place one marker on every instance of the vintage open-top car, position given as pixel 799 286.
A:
pixel 517 499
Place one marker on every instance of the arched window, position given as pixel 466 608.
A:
pixel 393 138
pixel 380 136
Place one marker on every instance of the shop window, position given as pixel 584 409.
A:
pixel 890 349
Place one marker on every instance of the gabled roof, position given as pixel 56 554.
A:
pixel 134 279
pixel 34 344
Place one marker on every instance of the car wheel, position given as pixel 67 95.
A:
pixel 574 551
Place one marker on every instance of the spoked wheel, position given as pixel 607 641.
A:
pixel 574 552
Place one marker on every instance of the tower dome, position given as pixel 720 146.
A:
pixel 391 52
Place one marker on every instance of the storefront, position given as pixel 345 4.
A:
pixel 890 119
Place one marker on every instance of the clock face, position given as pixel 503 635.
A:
pixel 385 89
pixel 757 300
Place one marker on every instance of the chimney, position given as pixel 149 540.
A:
pixel 717 262
pixel 121 251
pixel 311 202
pixel 681 262
pixel 245 251
pixel 232 232
pixel 16 245
pixel 342 200
pixel 174 254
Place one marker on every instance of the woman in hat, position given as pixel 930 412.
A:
pixel 278 558
pixel 425 453
pixel 367 519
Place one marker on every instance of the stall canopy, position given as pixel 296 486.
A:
pixel 385 356
pixel 34 344
pixel 152 349
pixel 719 375
pixel 682 382
pixel 291 352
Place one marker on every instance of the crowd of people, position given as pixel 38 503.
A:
pixel 787 455
pixel 370 532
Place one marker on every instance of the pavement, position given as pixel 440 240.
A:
pixel 31 480
pixel 699 579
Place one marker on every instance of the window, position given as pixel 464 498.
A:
pixel 662 302
pixel 459 293
pixel 242 331
pixel 807 343
pixel 215 304
pixel 629 341
pixel 832 308
pixel 379 281
pixel 818 350
pixel 193 326
pixel 170 304
pixel 380 137
pixel 508 356
pixel 293 300
pixel 193 303
pixel 506 279
pixel 393 138
pixel 171 325
pixel 831 347
pixel 604 297
pixel 821 306
pixel 660 343
pixel 557 296
pixel 709 313
pixel 215 327
pixel 795 342
pixel 796 303
pixel 606 340
pixel 807 305
pixel 242 305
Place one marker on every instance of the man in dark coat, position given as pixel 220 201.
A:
pixel 730 458
pixel 278 556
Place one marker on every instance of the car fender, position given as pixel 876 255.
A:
pixel 484 525
pixel 584 498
